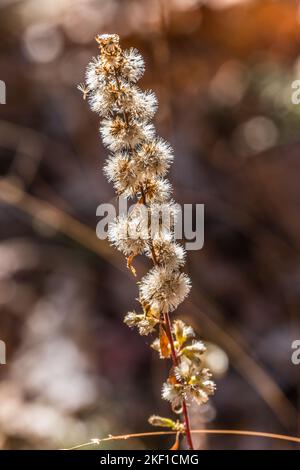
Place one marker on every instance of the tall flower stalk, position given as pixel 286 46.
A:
pixel 138 163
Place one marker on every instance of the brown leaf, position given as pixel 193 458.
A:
pixel 172 379
pixel 175 446
pixel 129 264
pixel 164 343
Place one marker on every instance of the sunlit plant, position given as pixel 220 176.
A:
pixel 137 166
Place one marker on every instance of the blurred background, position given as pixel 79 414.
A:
pixel 222 70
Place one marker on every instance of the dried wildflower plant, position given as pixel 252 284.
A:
pixel 137 166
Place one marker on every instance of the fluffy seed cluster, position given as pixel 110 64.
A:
pixel 137 166
pixel 189 380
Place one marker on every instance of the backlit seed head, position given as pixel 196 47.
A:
pixel 137 166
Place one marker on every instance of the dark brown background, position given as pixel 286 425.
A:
pixel 223 77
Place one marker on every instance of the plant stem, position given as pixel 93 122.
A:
pixel 166 315
pixel 187 426
pixel 175 364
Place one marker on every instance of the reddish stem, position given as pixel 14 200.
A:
pixel 166 317
pixel 187 426
pixel 175 363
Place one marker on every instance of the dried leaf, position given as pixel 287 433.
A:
pixel 175 446
pixel 172 379
pixel 164 343
pixel 129 264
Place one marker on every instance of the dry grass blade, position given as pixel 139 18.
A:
pixel 228 432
